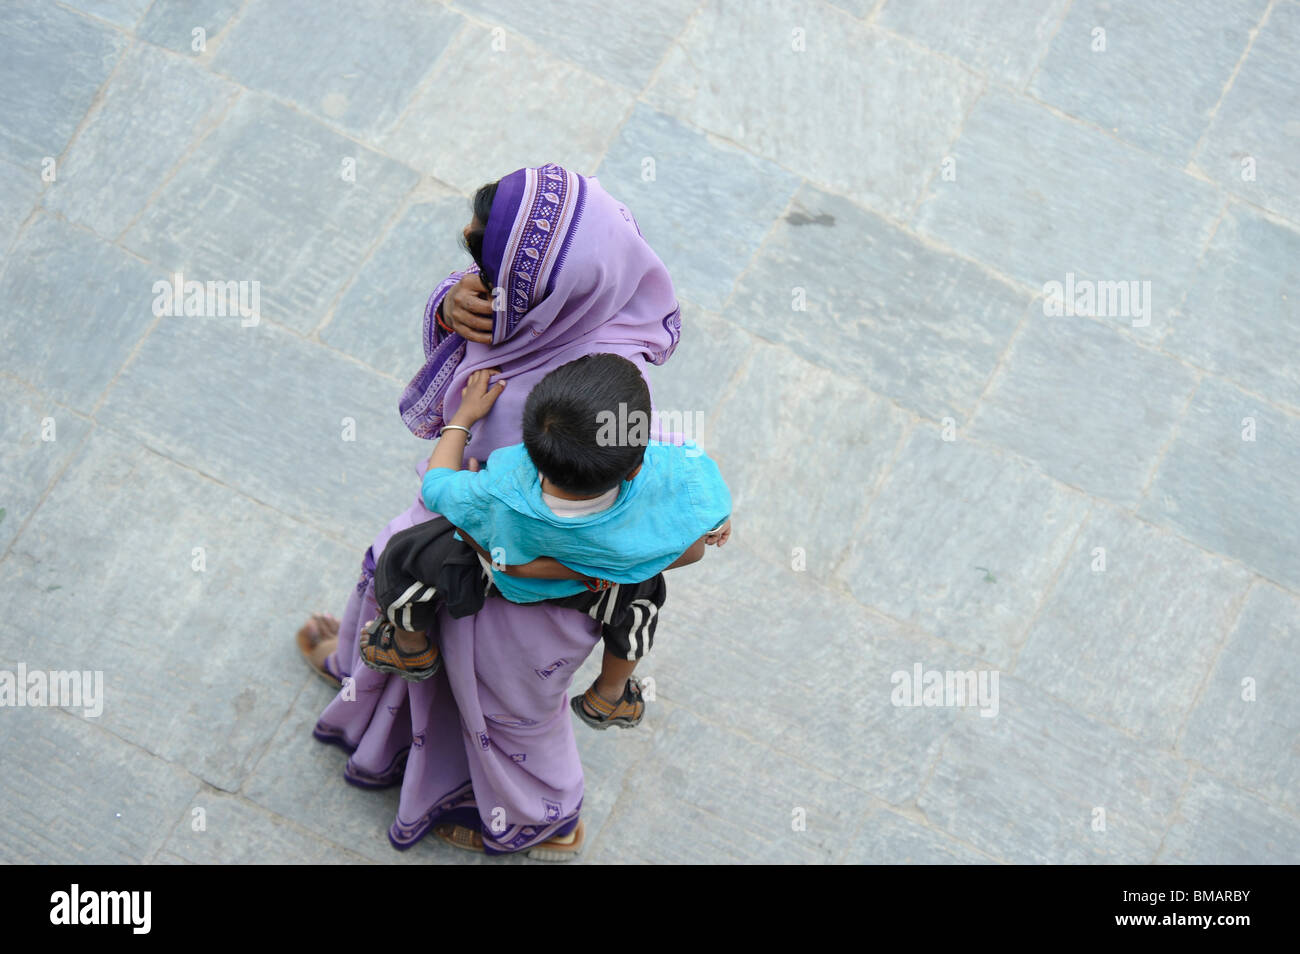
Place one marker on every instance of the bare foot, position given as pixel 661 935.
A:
pixel 327 623
pixel 317 640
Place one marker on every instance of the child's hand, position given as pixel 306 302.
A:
pixel 718 537
pixel 476 398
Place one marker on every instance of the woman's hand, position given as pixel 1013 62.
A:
pixel 543 568
pixel 468 309
pixel 476 398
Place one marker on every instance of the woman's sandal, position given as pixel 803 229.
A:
pixel 564 848
pixel 379 651
pixel 309 641
pixel 625 713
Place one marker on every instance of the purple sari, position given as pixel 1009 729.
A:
pixel 488 742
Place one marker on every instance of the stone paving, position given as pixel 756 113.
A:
pixel 941 461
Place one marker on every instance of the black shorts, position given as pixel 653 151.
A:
pixel 425 567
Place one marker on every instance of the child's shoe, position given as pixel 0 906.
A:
pixel 625 713
pixel 379 651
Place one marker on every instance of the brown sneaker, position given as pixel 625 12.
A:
pixel 625 713
pixel 379 651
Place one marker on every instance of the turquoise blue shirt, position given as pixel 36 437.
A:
pixel 676 497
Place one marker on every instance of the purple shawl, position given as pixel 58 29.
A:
pixel 574 277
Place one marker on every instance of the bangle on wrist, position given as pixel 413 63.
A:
pixel 437 317
pixel 457 427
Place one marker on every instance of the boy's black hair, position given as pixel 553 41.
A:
pixel 474 240
pixel 575 431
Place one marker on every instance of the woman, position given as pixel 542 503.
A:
pixel 485 749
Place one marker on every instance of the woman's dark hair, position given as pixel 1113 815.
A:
pixel 474 240
pixel 587 423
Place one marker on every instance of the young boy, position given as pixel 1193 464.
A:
pixel 574 501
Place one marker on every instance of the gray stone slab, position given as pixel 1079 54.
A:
pixel 1247 731
pixel 1039 197
pixel 123 13
pixel 271 415
pixel 857 111
pixel 72 307
pixel 233 438
pixel 95 186
pixel 14 640
pixel 887 838
pixel 962 541
pixel 379 317
pixel 858 8
pixel 1242 312
pixel 266 200
pixel 220 829
pixel 1161 73
pixel 1219 824
pixel 613 763
pixel 1256 132
pixel 1230 495
pixel 694 380
pixel 1086 403
pixel 20 188
pixel 1004 39
pixel 301 780
pixel 881 308
pixel 633 37
pixel 1132 643
pixel 567 117
pixel 359 77
pixel 698 768
pixel 777 638
pixel 1026 786
pixel 29 464
pixel 800 477
pixel 199 664
pixel 705 205
pixel 76 794
pixel 171 23
pixel 66 58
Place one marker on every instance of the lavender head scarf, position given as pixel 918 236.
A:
pixel 574 277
